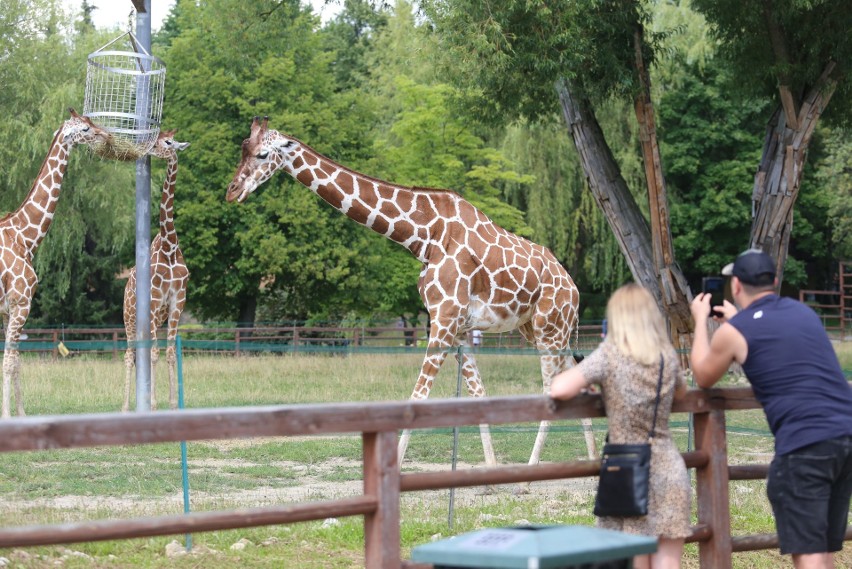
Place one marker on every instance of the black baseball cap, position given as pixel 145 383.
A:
pixel 752 267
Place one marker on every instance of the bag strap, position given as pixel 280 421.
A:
pixel 657 402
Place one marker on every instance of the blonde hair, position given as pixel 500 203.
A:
pixel 635 324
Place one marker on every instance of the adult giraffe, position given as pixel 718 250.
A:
pixel 21 232
pixel 475 276
pixel 169 276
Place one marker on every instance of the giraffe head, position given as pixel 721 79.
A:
pixel 81 130
pixel 166 147
pixel 264 152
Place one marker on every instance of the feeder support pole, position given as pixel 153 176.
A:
pixel 143 242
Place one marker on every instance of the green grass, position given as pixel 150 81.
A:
pixel 61 486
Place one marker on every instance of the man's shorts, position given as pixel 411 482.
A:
pixel 810 489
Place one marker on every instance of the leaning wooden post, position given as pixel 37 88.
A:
pixel 381 479
pixel 714 508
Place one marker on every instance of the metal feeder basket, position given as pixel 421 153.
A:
pixel 124 95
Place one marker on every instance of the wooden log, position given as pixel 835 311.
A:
pixel 413 482
pixel 50 432
pixel 381 482
pixel 712 490
pixel 748 471
pixel 101 530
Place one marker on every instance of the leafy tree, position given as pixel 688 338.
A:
pixel 229 61
pixel 79 260
pixel 797 54
pixel 710 146
pixel 833 188
pixel 515 53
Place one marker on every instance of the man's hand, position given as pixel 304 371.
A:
pixel 700 309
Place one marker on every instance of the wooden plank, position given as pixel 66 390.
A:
pixel 748 472
pixel 188 523
pixel 104 429
pixel 381 481
pixel 413 482
pixel 766 541
pixel 712 490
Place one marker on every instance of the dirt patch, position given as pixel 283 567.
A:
pixel 314 482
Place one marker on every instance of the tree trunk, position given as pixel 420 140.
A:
pixel 675 291
pixel 248 312
pixel 779 176
pixel 631 230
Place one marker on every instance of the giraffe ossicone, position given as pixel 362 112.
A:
pixel 476 275
pixel 21 233
pixel 169 277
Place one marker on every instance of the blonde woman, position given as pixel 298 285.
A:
pixel 626 366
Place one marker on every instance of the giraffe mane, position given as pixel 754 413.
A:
pixel 35 182
pixel 348 170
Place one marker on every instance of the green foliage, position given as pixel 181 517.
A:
pixel 92 231
pixel 514 51
pixel 834 176
pixel 710 144
pixel 809 35
pixel 283 244
pixel 562 213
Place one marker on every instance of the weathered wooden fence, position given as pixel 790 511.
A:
pixel 379 424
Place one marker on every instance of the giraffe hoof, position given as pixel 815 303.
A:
pixel 521 490
pixel 486 490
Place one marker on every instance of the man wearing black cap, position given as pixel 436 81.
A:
pixel 794 372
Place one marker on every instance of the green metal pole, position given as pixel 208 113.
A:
pixel 183 461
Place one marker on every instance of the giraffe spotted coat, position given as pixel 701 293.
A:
pixel 629 389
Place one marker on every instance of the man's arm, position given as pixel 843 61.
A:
pixel 711 359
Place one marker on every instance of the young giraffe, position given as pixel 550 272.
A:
pixel 21 232
pixel 476 275
pixel 168 280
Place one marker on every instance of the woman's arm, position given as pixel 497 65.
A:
pixel 568 384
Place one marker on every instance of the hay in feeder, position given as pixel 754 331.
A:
pixel 119 149
pixel 124 96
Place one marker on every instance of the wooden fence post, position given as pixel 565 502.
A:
pixel 714 509
pixel 381 479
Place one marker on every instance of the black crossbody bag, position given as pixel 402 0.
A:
pixel 625 471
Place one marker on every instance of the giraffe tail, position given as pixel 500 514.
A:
pixel 578 357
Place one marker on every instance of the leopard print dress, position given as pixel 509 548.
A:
pixel 629 390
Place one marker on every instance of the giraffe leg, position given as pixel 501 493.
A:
pixel 16 381
pixel 18 312
pixel 8 365
pixel 129 363
pixel 435 356
pixel 11 377
pixel 171 350
pixel 155 356
pixel 475 388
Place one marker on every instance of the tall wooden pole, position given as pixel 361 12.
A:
pixel 143 238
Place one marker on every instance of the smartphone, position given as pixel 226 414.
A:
pixel 715 287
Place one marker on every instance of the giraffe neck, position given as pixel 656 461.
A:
pixel 34 216
pixel 388 209
pixel 167 202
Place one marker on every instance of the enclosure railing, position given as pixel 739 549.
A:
pixel 283 339
pixel 379 424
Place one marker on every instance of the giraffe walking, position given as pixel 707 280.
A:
pixel 169 276
pixel 21 232
pixel 475 276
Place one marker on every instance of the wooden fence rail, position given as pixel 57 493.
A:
pixel 379 424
